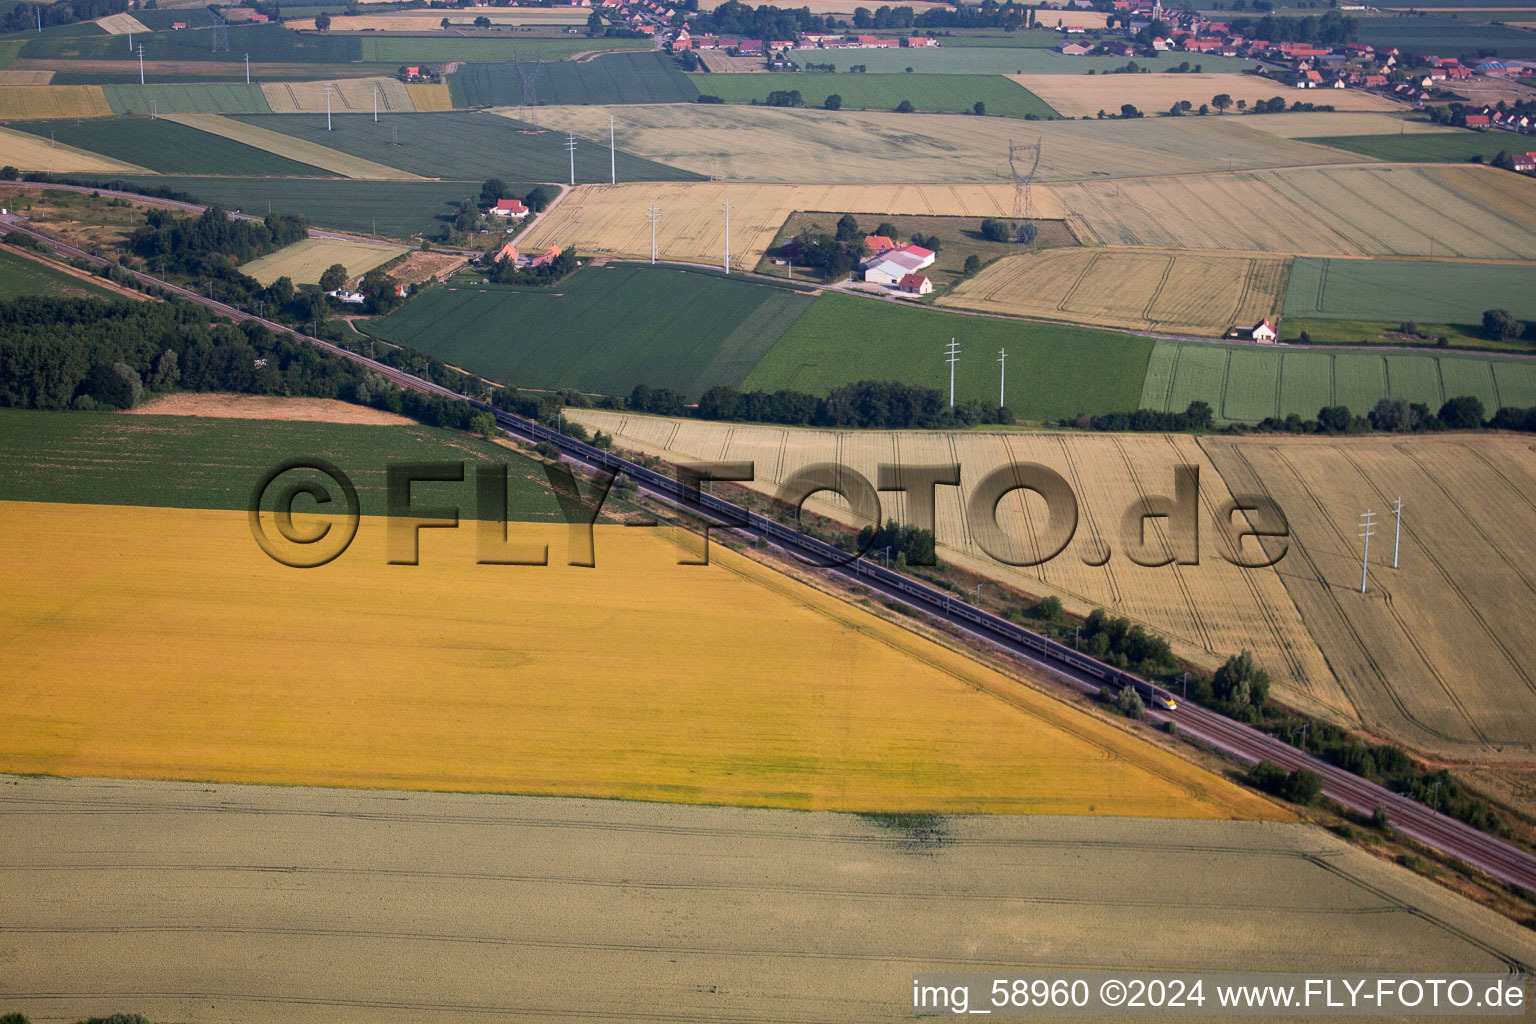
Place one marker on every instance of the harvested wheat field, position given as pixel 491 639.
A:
pixel 266 407
pixel 10 77
pixel 121 24
pixel 347 96
pixel 1438 653
pixel 33 153
pixel 714 913
pixel 1086 95
pixel 1207 611
pixel 429 96
pixel 304 261
pixel 45 101
pixel 725 683
pixel 1384 210
pixel 775 144
pixel 1178 290
pixel 611 220
pixel 323 157
pixel 1322 124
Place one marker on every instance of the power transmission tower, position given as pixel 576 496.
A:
pixel 570 145
pixel 952 356
pixel 220 32
pixel 528 71
pixel 727 236
pixel 1367 530
pixel 1023 186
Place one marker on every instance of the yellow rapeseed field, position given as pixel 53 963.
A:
pixel 160 643
pixel 1139 288
pixel 1207 611
pixel 610 220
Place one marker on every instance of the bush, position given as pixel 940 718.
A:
pixel 994 230
pixel 705 98
pixel 905 107
pixel 972 264
pixel 1379 819
pixel 833 102
pixel 1130 705
pixel 1048 609
pixel 1462 413
pixel 1502 325
pixel 548 449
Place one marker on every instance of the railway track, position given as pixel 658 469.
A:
pixel 1487 853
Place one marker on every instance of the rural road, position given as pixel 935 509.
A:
pixel 1493 856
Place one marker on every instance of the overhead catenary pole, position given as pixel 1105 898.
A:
pixel 1002 377
pixel 1397 534
pixel 952 356
pixel 1367 530
pixel 727 236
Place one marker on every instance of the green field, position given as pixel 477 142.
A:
pixel 949 94
pixel 265 43
pixel 995 60
pixel 1447 36
pixel 9 48
pixel 168 147
pixel 1245 383
pixel 1428 147
pixel 1053 371
pixel 1397 290
pixel 231 74
pixel 193 462
pixel 604 330
pixel 614 78
pixel 398 49
pixel 20 276
pixel 463 145
pixel 396 209
pixel 159 21
pixel 202 98
pixel 995 37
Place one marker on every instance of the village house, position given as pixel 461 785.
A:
pixel 890 267
pixel 1264 331
pixel 916 284
pixel 879 244
pixel 513 208
pixel 544 259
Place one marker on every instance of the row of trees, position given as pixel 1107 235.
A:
pixel 23 17
pixel 888 405
pixel 1389 415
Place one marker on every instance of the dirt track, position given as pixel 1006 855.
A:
pixel 199 902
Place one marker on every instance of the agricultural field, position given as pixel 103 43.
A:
pixel 304 261
pixel 316 154
pixel 604 330
pixel 121 24
pixel 1002 60
pixel 1085 95
pixel 643 892
pixel 1246 383
pixel 806 718
pixel 1453 147
pixel 164 145
pixel 427 97
pixel 1144 289
pixel 1322 126
pixel 802 145
pixel 618 78
pixel 1207 611
pixel 1054 371
pixel 394 209
pixel 951 94
pixel 1435 654
pixel 201 462
pixel 1431 291
pixel 31 153
pixel 610 220
pixel 1447 35
pixel 1352 211
pixel 845 8
pixel 60 101
pixel 264 43
pixel 431 21
pixel 461 145
pixel 20 277
pixel 442 48
pixel 346 95
pixel 202 98
pixel 10 78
